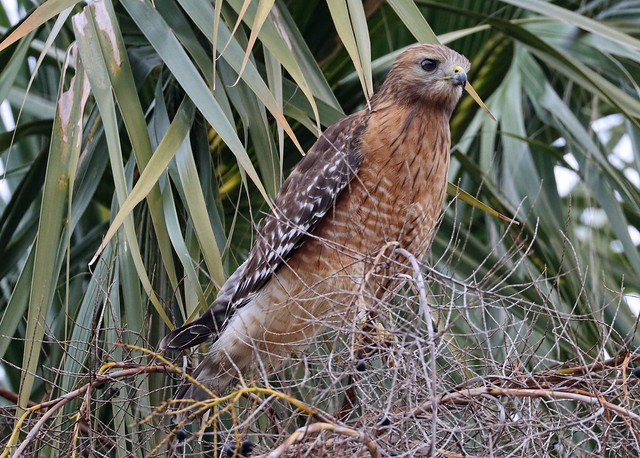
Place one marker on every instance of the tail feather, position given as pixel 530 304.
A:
pixel 214 375
pixel 188 399
pixel 190 391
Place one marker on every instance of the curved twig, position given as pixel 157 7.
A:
pixel 462 397
pixel 301 433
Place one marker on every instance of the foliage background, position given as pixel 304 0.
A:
pixel 181 154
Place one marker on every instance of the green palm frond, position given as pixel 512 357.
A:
pixel 147 150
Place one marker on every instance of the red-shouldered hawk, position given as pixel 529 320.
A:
pixel 375 177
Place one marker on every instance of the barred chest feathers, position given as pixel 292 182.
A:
pixel 398 193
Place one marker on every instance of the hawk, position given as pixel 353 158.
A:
pixel 376 177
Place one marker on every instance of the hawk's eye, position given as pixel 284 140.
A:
pixel 429 65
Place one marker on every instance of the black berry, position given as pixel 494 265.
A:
pixel 181 434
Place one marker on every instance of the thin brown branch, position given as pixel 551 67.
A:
pixel 463 397
pixel 301 434
pixel 51 406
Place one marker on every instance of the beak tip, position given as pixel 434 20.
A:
pixel 459 78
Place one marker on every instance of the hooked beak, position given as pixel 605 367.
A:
pixel 459 77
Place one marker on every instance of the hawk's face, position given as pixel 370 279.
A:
pixel 428 75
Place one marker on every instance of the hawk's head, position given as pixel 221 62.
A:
pixel 433 75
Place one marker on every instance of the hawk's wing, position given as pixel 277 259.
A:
pixel 305 197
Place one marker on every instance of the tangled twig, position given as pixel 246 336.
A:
pixel 301 433
pixel 127 370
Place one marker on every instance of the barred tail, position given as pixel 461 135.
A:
pixel 216 373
